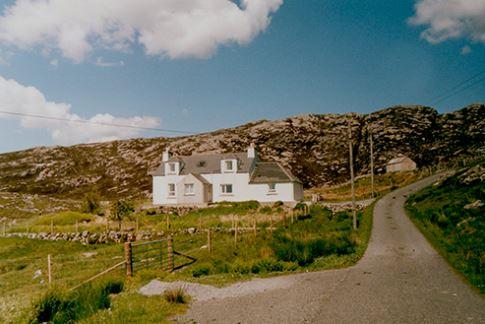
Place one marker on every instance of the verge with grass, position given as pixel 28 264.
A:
pixel 450 214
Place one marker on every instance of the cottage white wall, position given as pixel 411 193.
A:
pixel 242 189
pixel 160 189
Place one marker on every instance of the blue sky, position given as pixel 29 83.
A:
pixel 314 56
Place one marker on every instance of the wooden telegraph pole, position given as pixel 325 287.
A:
pixel 351 158
pixel 372 165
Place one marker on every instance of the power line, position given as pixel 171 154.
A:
pixel 446 95
pixel 83 121
pixel 458 91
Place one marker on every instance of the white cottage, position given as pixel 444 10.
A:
pixel 200 179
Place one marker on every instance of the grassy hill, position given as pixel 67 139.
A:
pixel 314 147
pixel 451 215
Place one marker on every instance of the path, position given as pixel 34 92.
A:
pixel 400 279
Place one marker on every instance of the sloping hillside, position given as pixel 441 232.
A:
pixel 314 147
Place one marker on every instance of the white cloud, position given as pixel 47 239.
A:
pixel 54 62
pixel 101 62
pixel 466 50
pixel 450 19
pixel 18 98
pixel 168 28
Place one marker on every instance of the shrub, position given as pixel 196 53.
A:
pixel 176 296
pixel 91 203
pixel 277 204
pixel 120 210
pixel 58 306
pixel 202 270
pixel 241 267
pixel 266 210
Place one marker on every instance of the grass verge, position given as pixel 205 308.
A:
pixel 455 228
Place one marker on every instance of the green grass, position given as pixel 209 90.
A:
pixel 457 233
pixel 264 254
pixel 64 218
pixel 383 183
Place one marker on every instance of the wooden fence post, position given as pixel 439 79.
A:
pixel 255 226
pixel 137 225
pixel 128 259
pixel 200 223
pixel 168 222
pixel 170 253
pixel 107 224
pixel 4 227
pixel 49 270
pixel 292 213
pixel 209 240
pixel 235 232
pixel 52 226
pixel 271 228
pixel 77 227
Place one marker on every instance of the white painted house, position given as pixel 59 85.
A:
pixel 205 178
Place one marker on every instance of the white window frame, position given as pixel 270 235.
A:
pixel 229 162
pixel 224 188
pixel 271 188
pixel 171 193
pixel 190 192
pixel 224 166
pixel 170 166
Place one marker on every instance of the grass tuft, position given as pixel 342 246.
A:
pixel 176 296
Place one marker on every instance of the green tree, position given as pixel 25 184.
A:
pixel 91 203
pixel 120 210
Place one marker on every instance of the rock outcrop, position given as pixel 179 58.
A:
pixel 314 147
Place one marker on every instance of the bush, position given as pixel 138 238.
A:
pixel 241 267
pixel 91 203
pixel 59 306
pixel 176 296
pixel 202 270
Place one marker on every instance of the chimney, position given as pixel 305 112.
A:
pixel 165 156
pixel 251 151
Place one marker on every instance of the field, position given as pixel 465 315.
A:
pixel 451 216
pixel 383 183
pixel 315 240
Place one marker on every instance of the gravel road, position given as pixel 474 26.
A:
pixel 400 279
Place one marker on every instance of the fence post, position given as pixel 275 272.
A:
pixel 271 228
pixel 168 222
pixel 107 224
pixel 255 228
pixel 52 226
pixel 137 224
pixel 292 213
pixel 235 232
pixel 170 253
pixel 128 259
pixel 77 227
pixel 49 272
pixel 5 228
pixel 209 240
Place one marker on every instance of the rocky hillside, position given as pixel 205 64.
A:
pixel 314 147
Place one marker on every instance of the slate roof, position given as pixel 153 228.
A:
pixel 207 163
pixel 271 172
pixel 263 172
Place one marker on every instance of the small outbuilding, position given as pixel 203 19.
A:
pixel 400 163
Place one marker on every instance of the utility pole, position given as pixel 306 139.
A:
pixel 351 158
pixel 372 164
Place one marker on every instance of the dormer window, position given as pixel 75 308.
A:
pixel 172 168
pixel 229 165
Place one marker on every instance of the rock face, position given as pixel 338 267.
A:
pixel 314 147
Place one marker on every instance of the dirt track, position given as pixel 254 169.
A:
pixel 400 279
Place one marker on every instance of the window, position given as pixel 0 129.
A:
pixel 272 187
pixel 226 188
pixel 171 189
pixel 189 188
pixel 171 167
pixel 229 165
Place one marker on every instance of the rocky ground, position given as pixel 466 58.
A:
pixel 313 146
